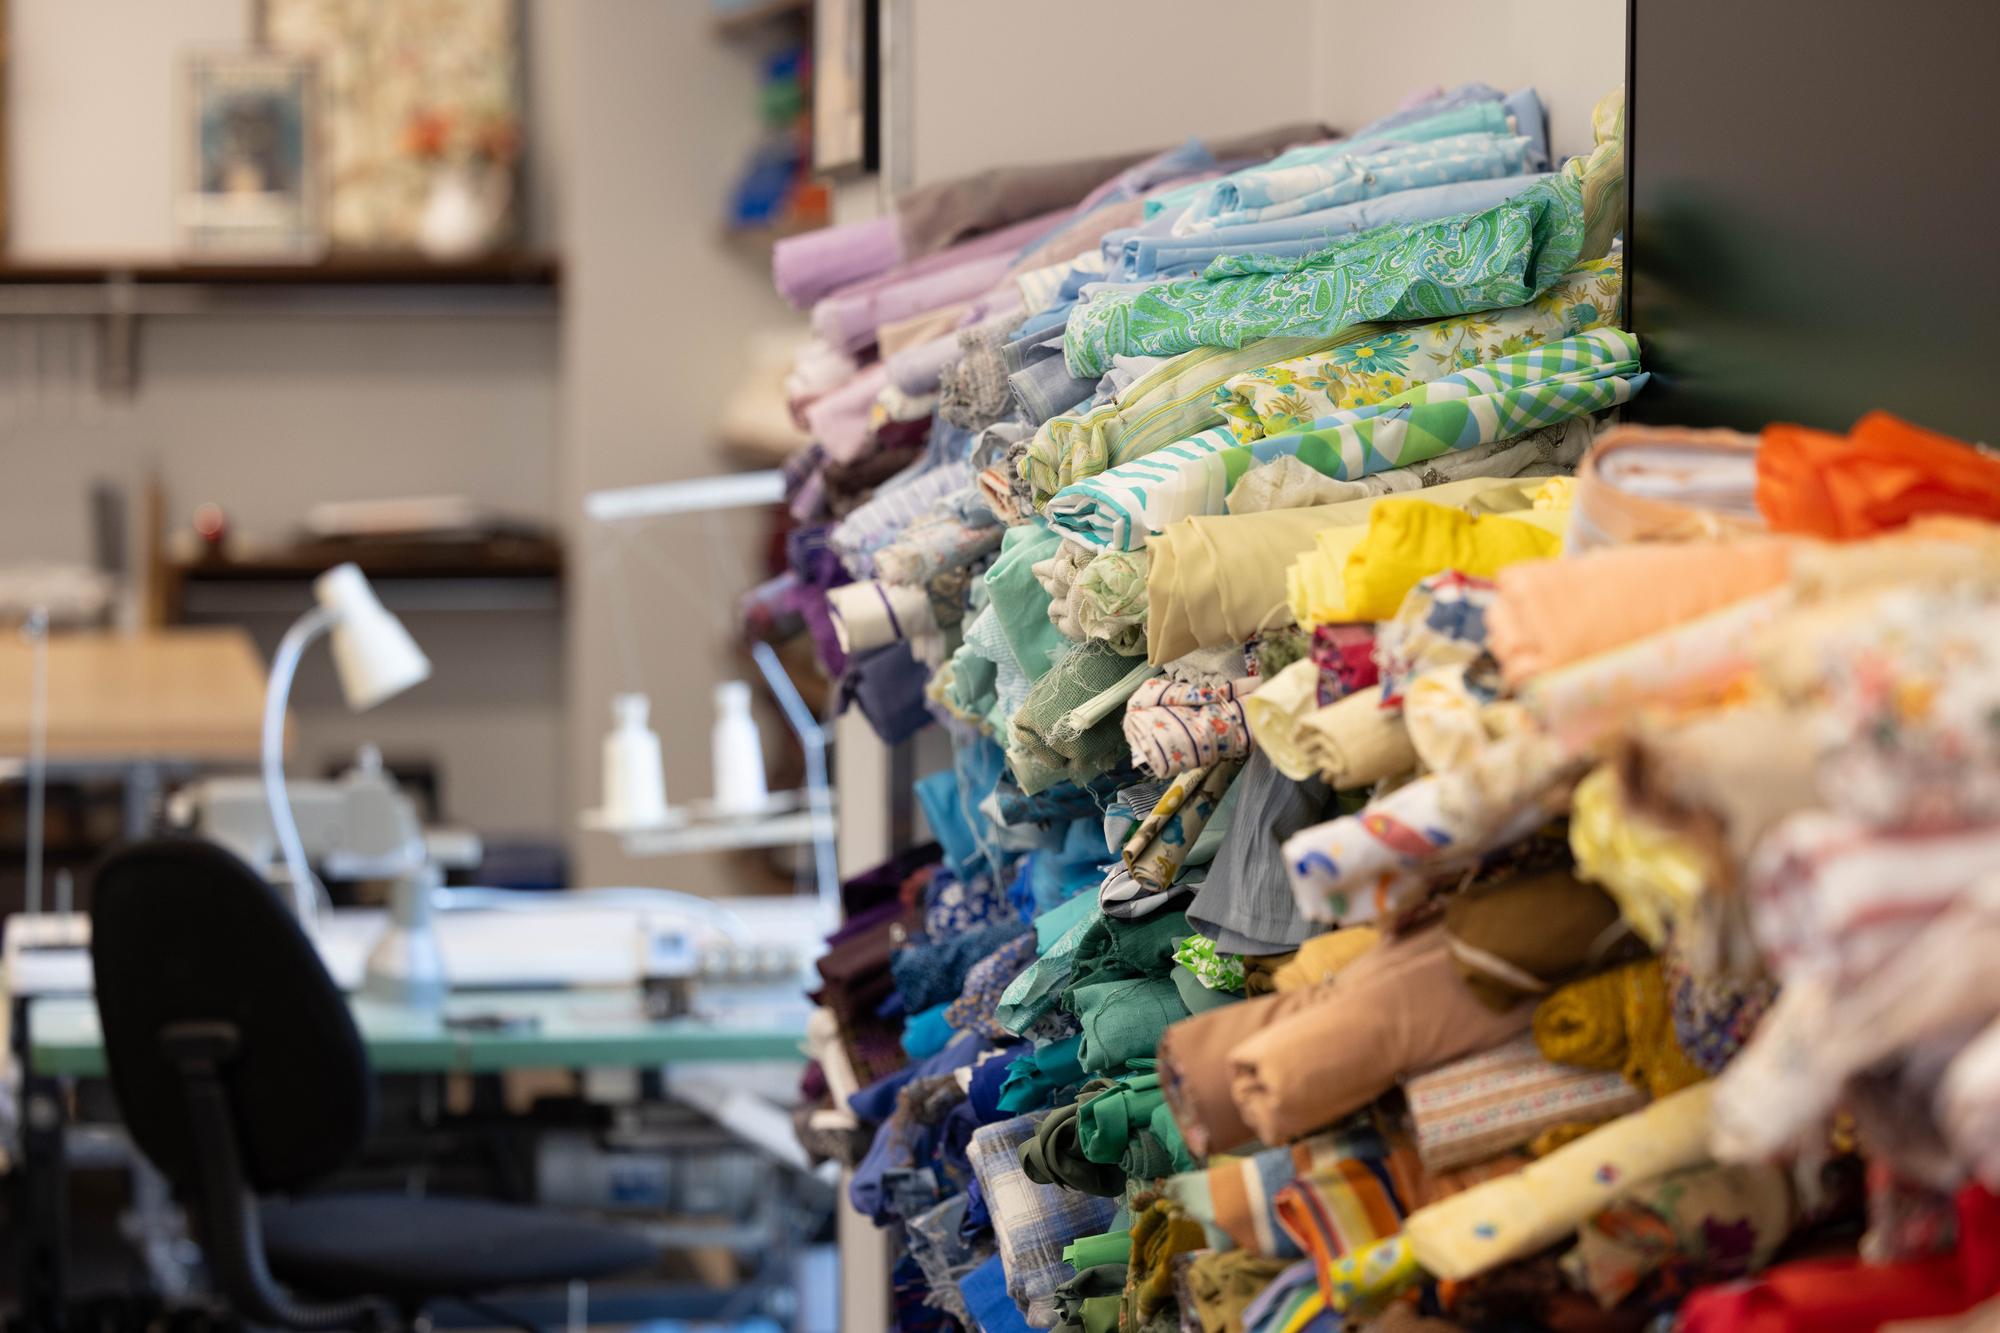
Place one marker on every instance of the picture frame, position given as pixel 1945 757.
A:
pixel 251 173
pixel 846 111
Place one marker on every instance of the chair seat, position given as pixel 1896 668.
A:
pixel 403 1248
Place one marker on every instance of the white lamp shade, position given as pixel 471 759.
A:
pixel 375 656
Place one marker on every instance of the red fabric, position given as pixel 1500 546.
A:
pixel 1848 1296
pixel 1879 476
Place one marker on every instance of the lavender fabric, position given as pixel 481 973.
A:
pixel 848 318
pixel 809 266
pixel 887 685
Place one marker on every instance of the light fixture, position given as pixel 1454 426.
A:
pixel 376 659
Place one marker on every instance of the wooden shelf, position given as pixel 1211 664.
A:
pixel 488 574
pixel 516 269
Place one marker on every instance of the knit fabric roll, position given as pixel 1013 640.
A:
pixel 1520 938
pixel 1398 1009
pixel 1507 1219
pixel 1619 1020
pixel 1484 1104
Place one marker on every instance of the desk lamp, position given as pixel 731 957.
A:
pixel 376 659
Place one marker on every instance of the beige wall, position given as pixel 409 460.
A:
pixel 267 416
pixel 659 113
pixel 1572 51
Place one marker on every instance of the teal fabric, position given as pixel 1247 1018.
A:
pixel 1020 603
pixel 1036 991
pixel 1035 1078
pixel 1053 924
pixel 1122 1019
pixel 1109 1122
pixel 927 1033
pixel 1503 256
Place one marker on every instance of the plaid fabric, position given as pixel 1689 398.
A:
pixel 1031 1223
pixel 1497 401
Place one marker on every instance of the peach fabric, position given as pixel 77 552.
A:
pixel 1194 1067
pixel 1664 484
pixel 1398 1009
pixel 1879 476
pixel 1552 612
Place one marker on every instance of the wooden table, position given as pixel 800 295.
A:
pixel 191 695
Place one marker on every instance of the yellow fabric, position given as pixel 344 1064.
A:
pixel 1220 579
pixel 1316 580
pixel 1617 1020
pixel 1502 1220
pixel 1323 955
pixel 1412 539
pixel 1655 876
pixel 1274 711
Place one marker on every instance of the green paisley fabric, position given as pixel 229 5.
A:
pixel 1504 256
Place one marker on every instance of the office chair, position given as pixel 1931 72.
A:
pixel 240 1074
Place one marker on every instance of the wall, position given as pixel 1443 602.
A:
pixel 269 415
pixel 659 113
pixel 1572 51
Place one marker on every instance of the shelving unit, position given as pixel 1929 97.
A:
pixel 492 574
pixel 116 294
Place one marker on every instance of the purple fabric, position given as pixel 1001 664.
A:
pixel 848 318
pixel 839 421
pixel 887 685
pixel 811 265
pixel 817 568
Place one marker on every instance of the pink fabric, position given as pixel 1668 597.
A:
pixel 839 420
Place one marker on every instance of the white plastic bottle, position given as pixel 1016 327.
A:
pixel 635 784
pixel 738 752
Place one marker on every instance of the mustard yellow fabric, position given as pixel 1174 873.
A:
pixel 1410 540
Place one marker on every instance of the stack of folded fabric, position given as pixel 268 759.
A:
pixel 1415 855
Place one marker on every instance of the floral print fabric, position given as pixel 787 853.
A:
pixel 1173 726
pixel 1159 846
pixel 1291 395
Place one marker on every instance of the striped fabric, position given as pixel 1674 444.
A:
pixel 1235 1197
pixel 1512 396
pixel 1347 1207
pixel 1118 509
pixel 892 508
pixel 1475 1108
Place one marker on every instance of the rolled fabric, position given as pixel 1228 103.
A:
pixel 1221 1286
pixel 1484 1104
pixel 1618 1020
pixel 1347 1207
pixel 813 264
pixel 1292 395
pixel 1879 476
pixel 1705 1224
pixel 1122 1020
pixel 1355 742
pixel 838 420
pixel 875 615
pixel 1696 660
pixel 1322 957
pixel 1665 484
pixel 1244 904
pixel 1497 258
pixel 1222 579
pixel 1053 1156
pixel 1164 839
pixel 1398 1009
pixel 1173 726
pixel 1234 1196
pixel 1360 867
pixel 1031 1223
pixel 1410 539
pixel 1550 613
pixel 1520 938
pixel 1274 712
pixel 1194 1068
pixel 1514 1216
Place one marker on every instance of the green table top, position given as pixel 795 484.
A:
pixel 572 1030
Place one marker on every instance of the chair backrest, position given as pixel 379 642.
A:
pixel 183 932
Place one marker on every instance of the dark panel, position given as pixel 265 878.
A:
pixel 1815 188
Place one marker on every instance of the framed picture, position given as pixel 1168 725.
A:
pixel 417 98
pixel 846 86
pixel 252 164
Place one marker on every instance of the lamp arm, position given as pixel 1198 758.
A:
pixel 285 665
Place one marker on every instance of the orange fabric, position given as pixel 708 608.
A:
pixel 1880 476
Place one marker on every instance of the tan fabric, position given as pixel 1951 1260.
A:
pixel 897 335
pixel 1355 742
pixel 1520 938
pixel 1608 514
pixel 1223 1283
pixel 1220 579
pixel 1399 1009
pixel 1194 1067
pixel 1320 958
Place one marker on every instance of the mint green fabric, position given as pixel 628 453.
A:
pixel 1053 924
pixel 1113 1247
pixel 1122 1019
pixel 1019 601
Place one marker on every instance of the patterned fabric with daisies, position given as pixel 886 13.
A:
pixel 1498 401
pixel 1291 395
